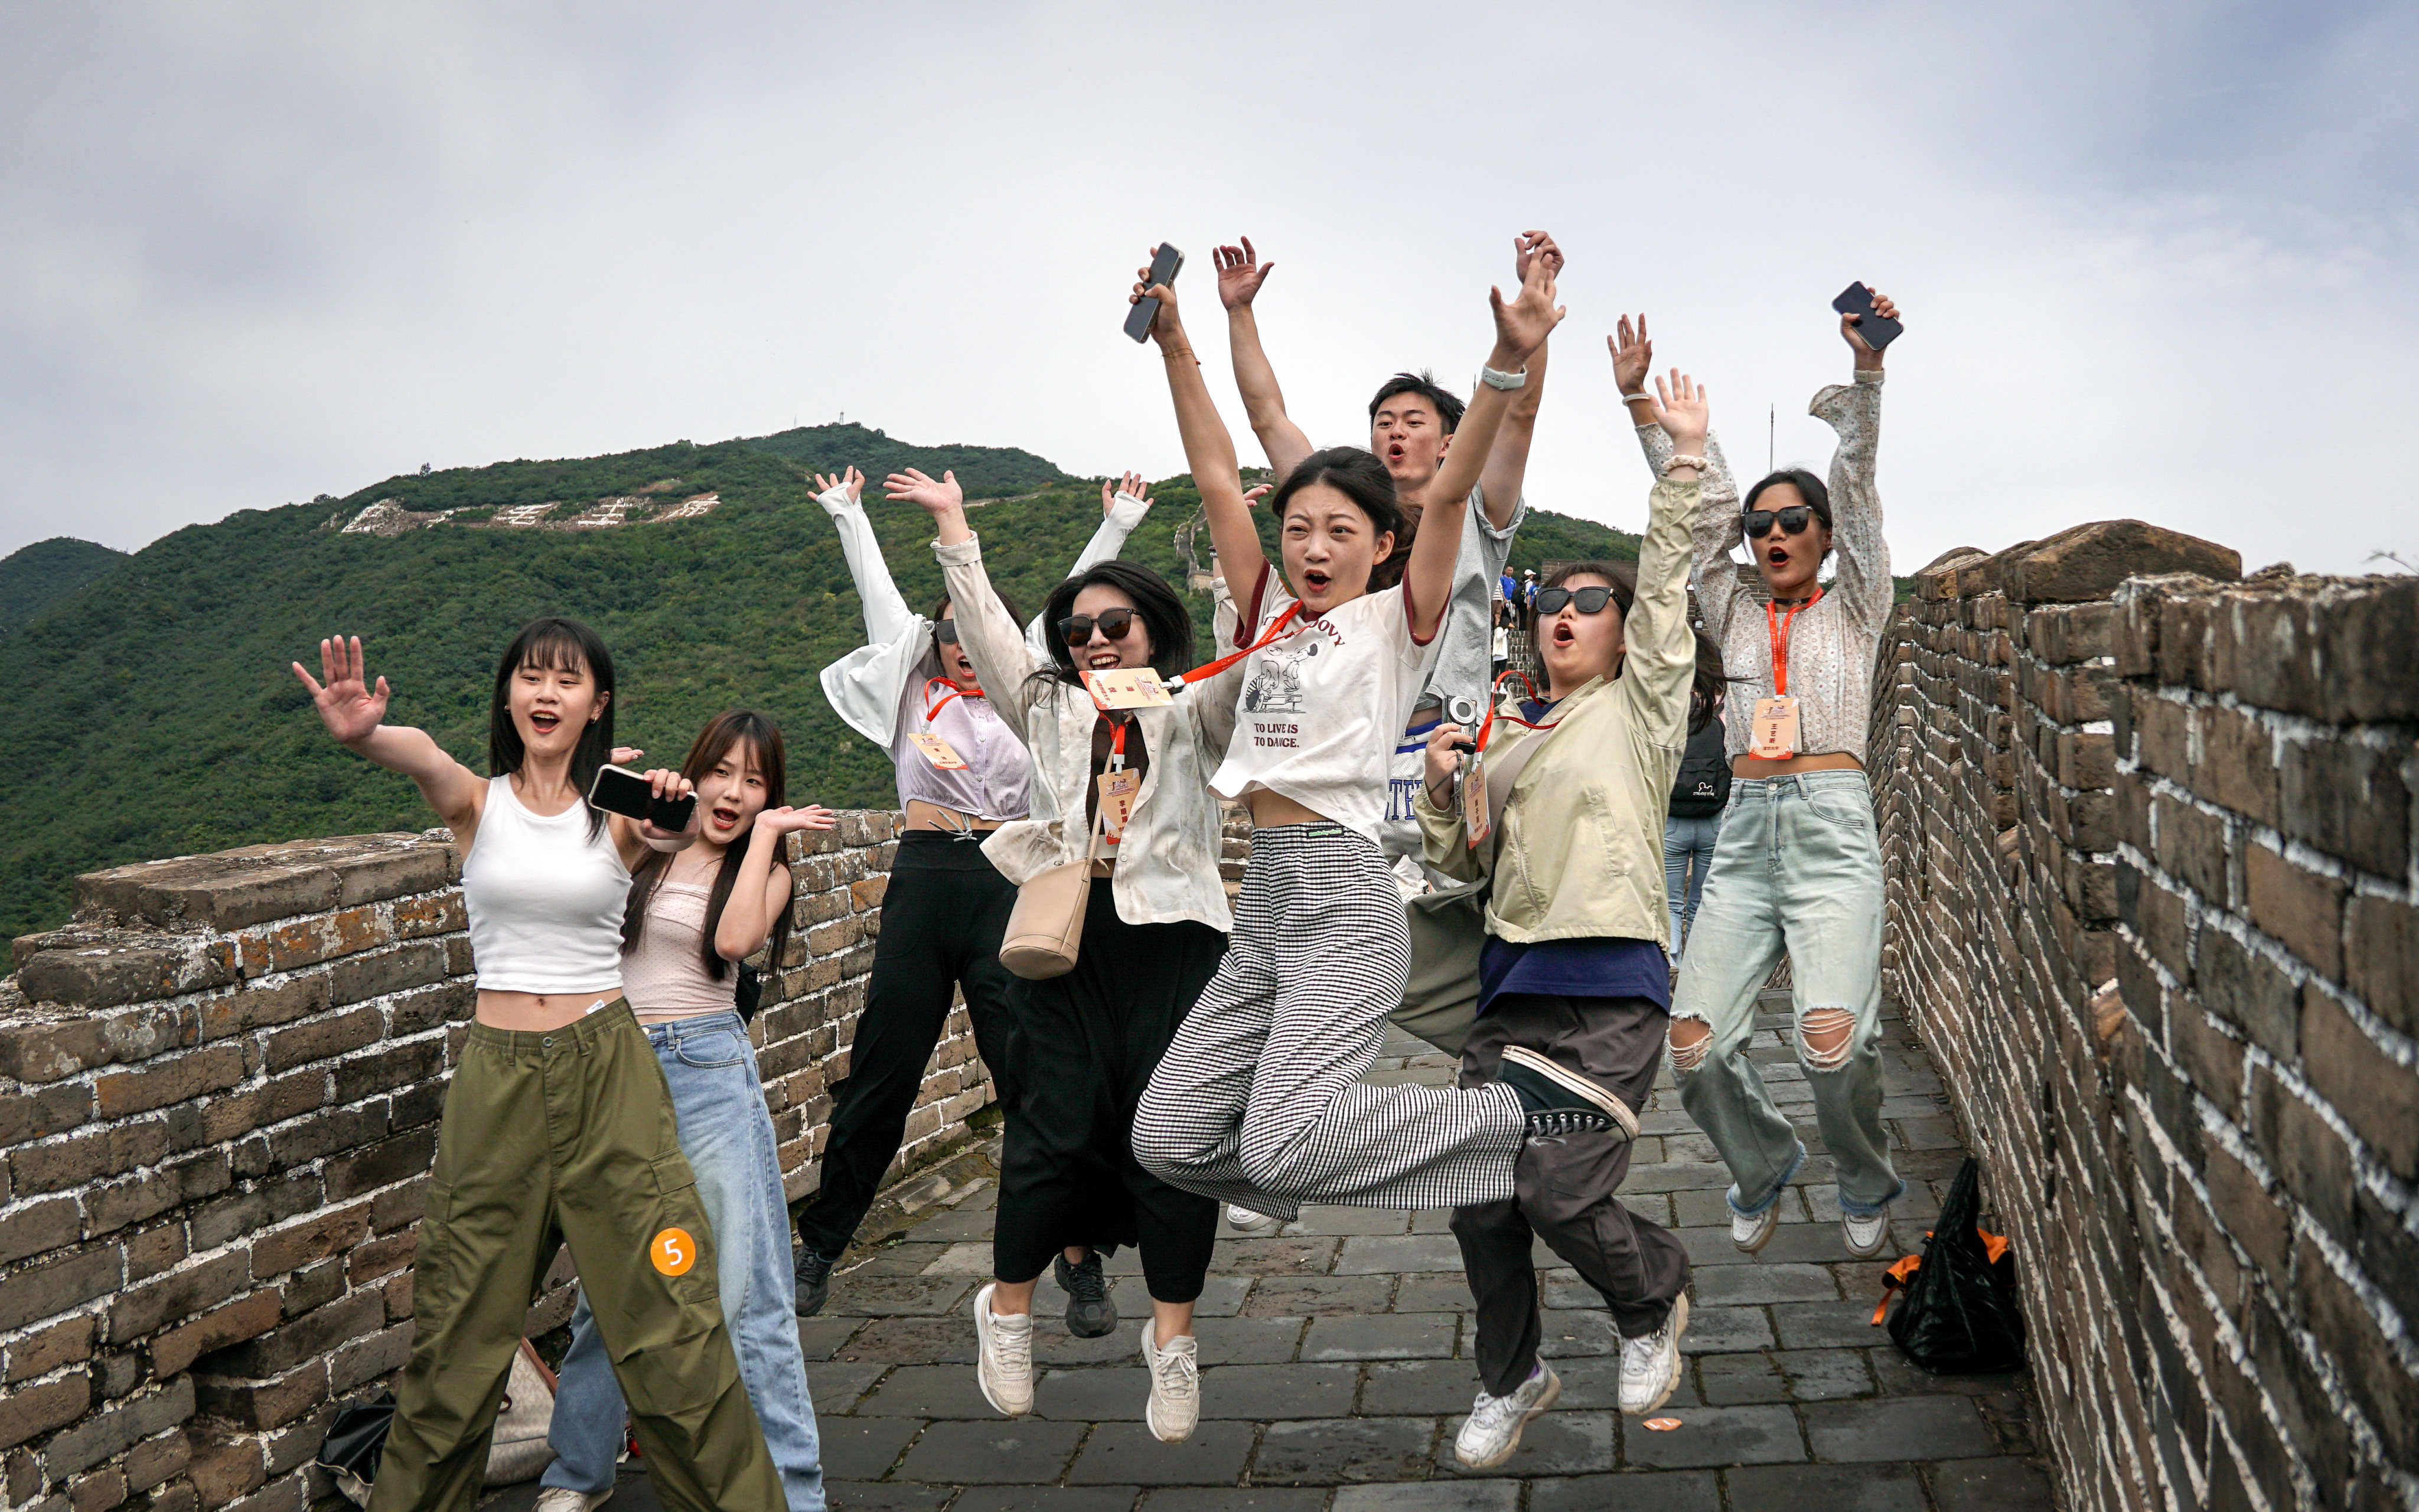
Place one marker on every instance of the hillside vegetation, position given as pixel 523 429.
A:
pixel 158 717
pixel 34 577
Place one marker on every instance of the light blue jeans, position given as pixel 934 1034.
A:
pixel 1688 852
pixel 727 1137
pixel 1798 868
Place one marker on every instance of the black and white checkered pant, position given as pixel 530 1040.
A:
pixel 1259 1101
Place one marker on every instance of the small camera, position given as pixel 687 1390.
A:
pixel 1461 709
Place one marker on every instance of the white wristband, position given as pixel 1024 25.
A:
pixel 1640 394
pixel 1698 463
pixel 1503 380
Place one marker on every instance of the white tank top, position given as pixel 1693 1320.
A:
pixel 544 898
pixel 665 977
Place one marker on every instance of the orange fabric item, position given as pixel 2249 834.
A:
pixel 1896 1278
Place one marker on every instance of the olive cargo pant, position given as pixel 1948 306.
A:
pixel 568 1135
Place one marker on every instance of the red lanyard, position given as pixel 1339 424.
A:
pixel 1203 674
pixel 955 691
pixel 1117 744
pixel 1488 728
pixel 1779 626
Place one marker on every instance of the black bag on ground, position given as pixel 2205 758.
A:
pixel 1703 786
pixel 1960 1315
pixel 355 1441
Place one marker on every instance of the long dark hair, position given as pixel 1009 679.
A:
pixel 1707 683
pixel 721 733
pixel 1158 606
pixel 554 644
pixel 1359 476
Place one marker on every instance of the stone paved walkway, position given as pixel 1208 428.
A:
pixel 1337 1362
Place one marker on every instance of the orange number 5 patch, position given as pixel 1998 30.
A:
pixel 673 1252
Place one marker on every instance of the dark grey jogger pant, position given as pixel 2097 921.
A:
pixel 1563 1186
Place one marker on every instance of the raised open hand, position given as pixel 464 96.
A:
pixel 1856 340
pixel 937 496
pixel 1633 353
pixel 1522 325
pixel 1682 409
pixel 347 705
pixel 852 480
pixel 1530 245
pixel 1241 273
pixel 785 820
pixel 1131 485
pixel 1164 324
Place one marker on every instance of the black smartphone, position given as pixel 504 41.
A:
pixel 1165 265
pixel 620 790
pixel 1879 331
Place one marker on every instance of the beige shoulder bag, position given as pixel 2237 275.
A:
pixel 1047 928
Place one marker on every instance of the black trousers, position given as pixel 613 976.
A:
pixel 1087 1045
pixel 1565 1186
pixel 942 919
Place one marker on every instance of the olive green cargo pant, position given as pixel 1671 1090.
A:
pixel 568 1135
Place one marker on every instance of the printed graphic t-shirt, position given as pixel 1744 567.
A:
pixel 1322 707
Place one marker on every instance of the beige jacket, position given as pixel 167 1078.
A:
pixel 1167 868
pixel 1578 850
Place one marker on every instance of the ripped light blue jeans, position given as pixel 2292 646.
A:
pixel 719 1102
pixel 1798 868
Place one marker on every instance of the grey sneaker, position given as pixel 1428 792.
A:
pixel 564 1499
pixel 1090 1311
pixel 1751 1234
pixel 1492 1430
pixel 1650 1367
pixel 814 1282
pixel 1175 1384
pixel 1244 1220
pixel 1867 1235
pixel 1005 1367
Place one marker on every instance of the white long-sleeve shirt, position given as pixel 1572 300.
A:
pixel 878 690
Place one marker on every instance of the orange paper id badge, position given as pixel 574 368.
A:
pixel 1475 821
pixel 1119 789
pixel 1773 735
pixel 938 751
pixel 1126 687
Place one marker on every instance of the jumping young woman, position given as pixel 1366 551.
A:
pixel 1569 825
pixel 961 774
pixel 1154 928
pixel 690 916
pixel 557 1126
pixel 1258 1101
pixel 1797 865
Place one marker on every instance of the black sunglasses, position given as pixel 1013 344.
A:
pixel 1077 629
pixel 945 631
pixel 1793 521
pixel 1591 600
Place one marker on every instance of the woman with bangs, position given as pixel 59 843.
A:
pixel 558 1125
pixel 1126 789
pixel 692 916
pixel 1258 1101
pixel 1566 817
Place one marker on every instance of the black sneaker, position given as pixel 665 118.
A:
pixel 1560 1100
pixel 1090 1314
pixel 814 1282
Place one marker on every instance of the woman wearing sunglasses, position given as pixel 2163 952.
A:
pixel 1127 788
pixel 961 774
pixel 1568 823
pixel 1797 865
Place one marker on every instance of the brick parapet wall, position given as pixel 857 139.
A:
pixel 219 1096
pixel 2151 882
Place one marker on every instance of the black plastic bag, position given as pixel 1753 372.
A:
pixel 1960 1315
pixel 749 994
pixel 355 1441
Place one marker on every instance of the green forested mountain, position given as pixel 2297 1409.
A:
pixel 37 576
pixel 159 718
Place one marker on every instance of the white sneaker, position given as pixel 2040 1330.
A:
pixel 1492 1430
pixel 564 1499
pixel 1005 1370
pixel 1244 1220
pixel 1866 1235
pixel 1650 1367
pixel 1175 1384
pixel 1751 1234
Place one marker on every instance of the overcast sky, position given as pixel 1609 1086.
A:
pixel 2156 260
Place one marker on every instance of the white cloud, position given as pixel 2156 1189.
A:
pixel 2156 263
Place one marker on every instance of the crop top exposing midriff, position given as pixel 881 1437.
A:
pixel 665 977
pixel 545 896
